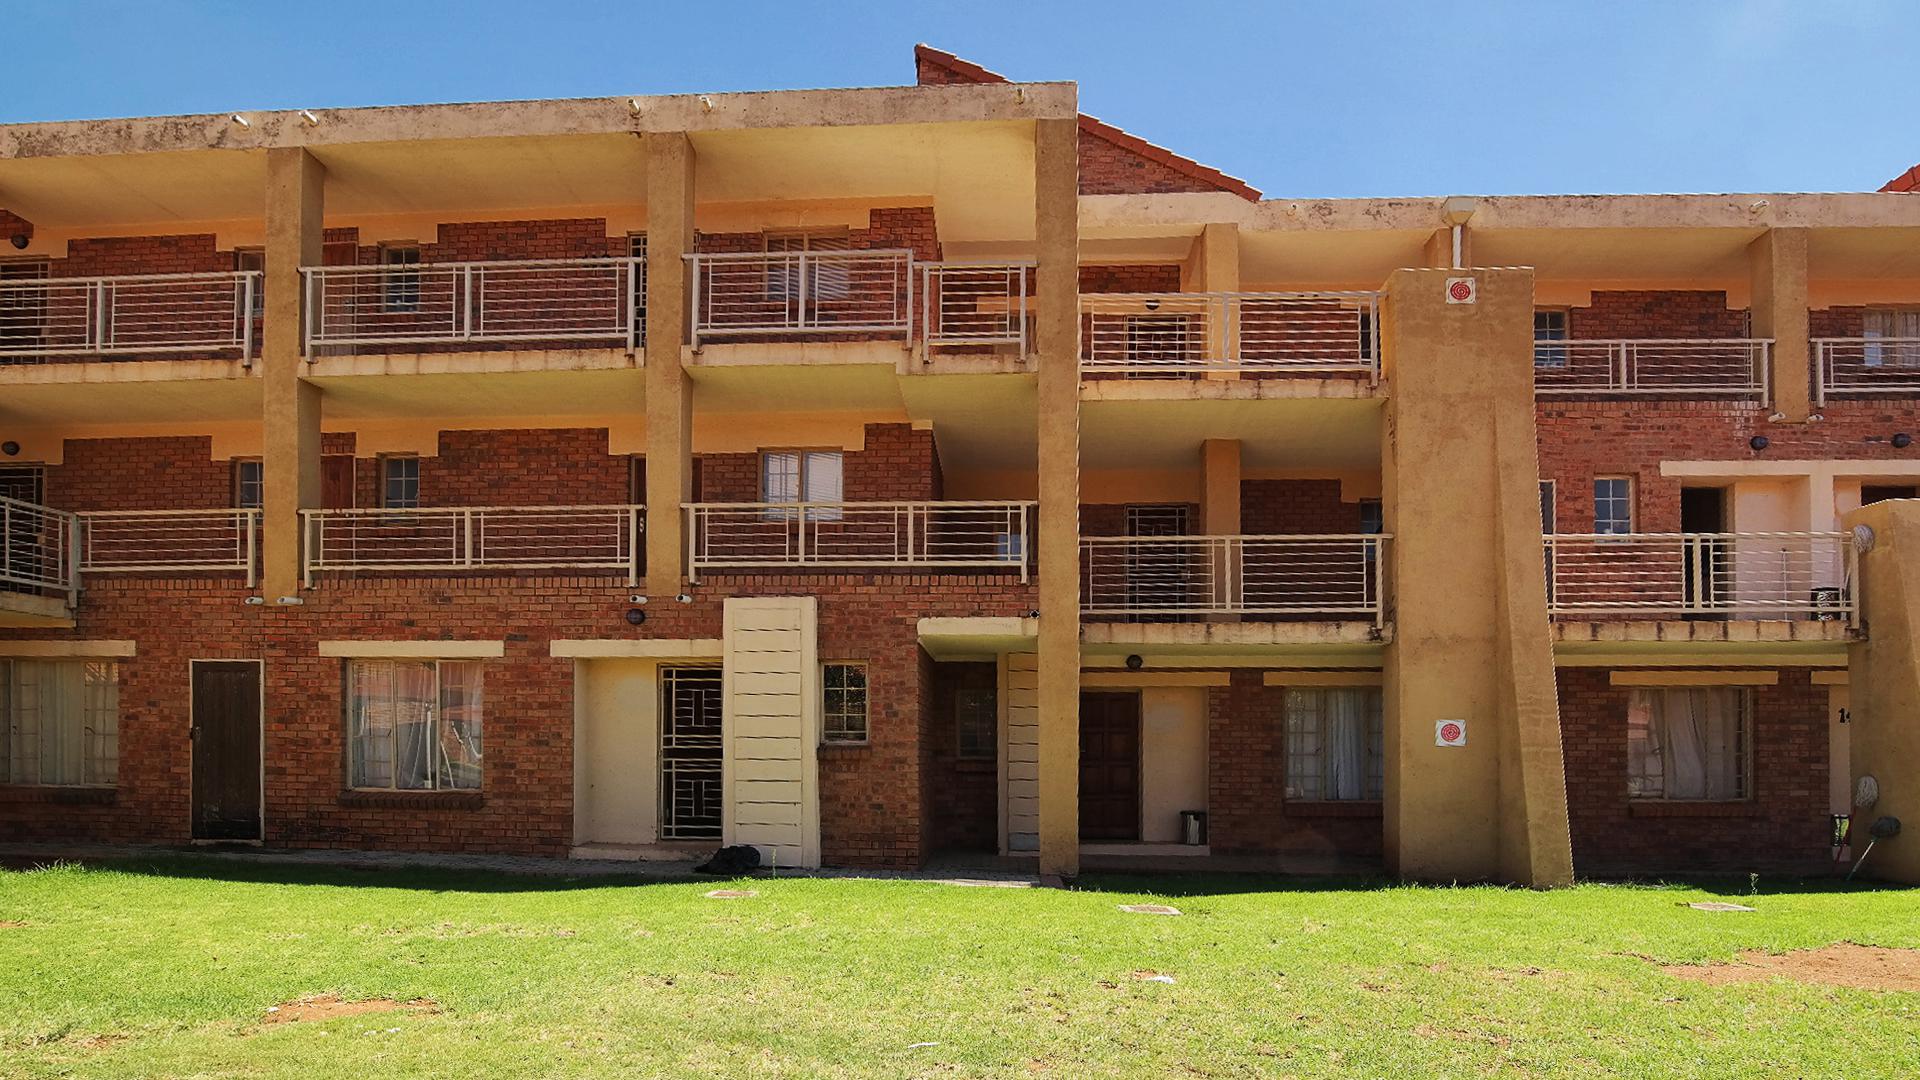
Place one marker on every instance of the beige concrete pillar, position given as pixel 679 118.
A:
pixel 1220 476
pixel 290 412
pixel 1213 266
pixel 1777 261
pixel 1467 590
pixel 1056 174
pixel 669 392
pixel 1883 679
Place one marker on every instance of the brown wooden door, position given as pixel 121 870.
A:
pixel 1110 766
pixel 336 482
pixel 226 750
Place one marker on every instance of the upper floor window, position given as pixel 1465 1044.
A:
pixel 1902 325
pixel 400 284
pixel 23 310
pixel 1612 504
pixel 400 483
pixel 59 722
pixel 414 725
pixel 1690 742
pixel 254 261
pixel 249 484
pixel 827 279
pixel 843 716
pixel 802 476
pixel 1335 739
pixel 1549 325
pixel 1372 517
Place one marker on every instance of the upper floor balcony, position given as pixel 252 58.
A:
pixel 1732 368
pixel 1788 576
pixel 1279 334
pixel 1332 578
pixel 911 537
pixel 594 539
pixel 49 553
pixel 1862 367
pixel 456 306
pixel 130 317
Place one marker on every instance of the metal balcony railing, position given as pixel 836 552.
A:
pixel 1865 367
pixel 1334 577
pixel 133 316
pixel 424 540
pixel 37 549
pixel 169 541
pixel 978 306
pixel 759 294
pixel 906 535
pixel 1171 333
pixel 1768 575
pixel 530 301
pixel 1706 367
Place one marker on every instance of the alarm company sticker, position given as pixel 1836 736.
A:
pixel 1449 733
pixel 1462 290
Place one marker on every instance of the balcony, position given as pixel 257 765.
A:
pixel 1145 335
pixel 1277 578
pixel 607 539
pixel 1596 368
pixel 169 542
pixel 1865 367
pixel 801 295
pixel 37 555
pixel 1712 576
pixel 442 307
pixel 903 536
pixel 977 307
pixel 129 317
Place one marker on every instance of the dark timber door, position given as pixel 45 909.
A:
pixel 1110 766
pixel 226 750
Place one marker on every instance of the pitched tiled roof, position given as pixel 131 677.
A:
pixel 1906 181
pixel 936 66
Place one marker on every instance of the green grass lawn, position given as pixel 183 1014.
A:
pixel 168 969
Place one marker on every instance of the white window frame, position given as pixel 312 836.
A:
pixel 1644 744
pixel 387 478
pixel 1890 322
pixel 400 281
pixel 1629 499
pixel 242 484
pixel 441 768
pixel 806 467
pixel 1546 353
pixel 842 713
pixel 254 259
pixel 829 281
pixel 86 734
pixel 1304 761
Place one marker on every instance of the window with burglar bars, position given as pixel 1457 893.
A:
pixel 249 484
pixel 400 283
pixel 1690 743
pixel 414 725
pixel 829 279
pixel 1159 341
pixel 690 733
pixel 976 716
pixel 1613 505
pixel 1549 325
pixel 843 715
pixel 1335 738
pixel 1158 575
pixel 59 723
pixel 400 483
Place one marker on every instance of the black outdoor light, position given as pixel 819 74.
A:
pixel 20 240
pixel 1902 440
pixel 1759 442
pixel 9 448
pixel 635 616
pixel 1134 663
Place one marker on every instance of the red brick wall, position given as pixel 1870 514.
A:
pixel 1290 507
pixel 871 797
pixel 556 466
pixel 1163 277
pixel 1671 313
pixel 1785 826
pixel 1107 168
pixel 98 256
pixel 1247 776
pixel 172 473
pixel 899 463
pixel 479 241
pixel 910 227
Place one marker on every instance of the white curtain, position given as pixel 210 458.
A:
pixel 413 720
pixel 1346 720
pixel 1701 743
pixel 1891 324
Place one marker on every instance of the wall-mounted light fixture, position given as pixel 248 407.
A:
pixel 635 616
pixel 1135 663
pixel 1902 440
pixel 1759 442
pixel 9 448
pixel 20 240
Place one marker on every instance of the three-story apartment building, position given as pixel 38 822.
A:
pixel 871 474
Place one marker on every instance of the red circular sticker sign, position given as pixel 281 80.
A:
pixel 1450 732
pixel 1461 290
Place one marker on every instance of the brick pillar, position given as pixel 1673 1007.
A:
pixel 290 458
pixel 669 392
pixel 1056 302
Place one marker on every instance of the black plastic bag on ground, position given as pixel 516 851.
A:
pixel 731 861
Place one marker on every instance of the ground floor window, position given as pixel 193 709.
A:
pixel 844 710
pixel 1334 743
pixel 414 725
pixel 1690 743
pixel 59 722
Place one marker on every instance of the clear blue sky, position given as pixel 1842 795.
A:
pixel 1301 99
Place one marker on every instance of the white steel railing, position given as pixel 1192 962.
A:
pixel 976 304
pixel 477 538
pixel 1320 577
pixel 1865 367
pixel 1687 368
pixel 1286 332
pixel 48 320
pixel 744 294
pixel 949 535
pixel 1765 575
pixel 37 549
pixel 529 300
pixel 169 541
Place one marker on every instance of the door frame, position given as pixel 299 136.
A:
pixel 193 746
pixel 1139 765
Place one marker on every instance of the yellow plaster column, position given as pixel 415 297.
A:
pixel 1056 170
pixel 1777 261
pixel 1213 266
pixel 1220 476
pixel 1467 590
pixel 290 414
pixel 1883 674
pixel 669 391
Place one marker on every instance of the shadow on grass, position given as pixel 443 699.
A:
pixel 426 878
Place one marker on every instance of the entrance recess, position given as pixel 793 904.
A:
pixel 1110 766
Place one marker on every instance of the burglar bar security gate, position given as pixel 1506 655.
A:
pixel 690 784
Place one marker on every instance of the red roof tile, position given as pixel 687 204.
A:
pixel 1906 181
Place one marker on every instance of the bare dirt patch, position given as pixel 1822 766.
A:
pixel 1861 967
pixel 330 1006
pixel 12 924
